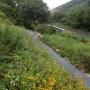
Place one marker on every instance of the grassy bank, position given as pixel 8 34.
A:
pixel 24 66
pixel 78 32
pixel 77 50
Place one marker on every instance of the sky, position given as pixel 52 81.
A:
pixel 54 3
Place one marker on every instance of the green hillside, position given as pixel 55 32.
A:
pixel 70 5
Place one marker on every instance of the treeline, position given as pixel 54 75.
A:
pixel 25 12
pixel 78 18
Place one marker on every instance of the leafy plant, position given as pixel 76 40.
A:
pixel 43 29
pixel 27 67
pixel 69 46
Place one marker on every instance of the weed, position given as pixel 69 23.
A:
pixel 71 47
pixel 24 66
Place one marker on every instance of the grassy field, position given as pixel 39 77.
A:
pixel 24 66
pixel 77 50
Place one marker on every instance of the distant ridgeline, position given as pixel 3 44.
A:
pixel 75 14
pixel 70 6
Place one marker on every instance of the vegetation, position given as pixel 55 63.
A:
pixel 24 66
pixel 69 6
pixel 77 18
pixel 25 12
pixel 4 19
pixel 68 45
pixel 44 29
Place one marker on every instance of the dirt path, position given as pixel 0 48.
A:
pixel 71 68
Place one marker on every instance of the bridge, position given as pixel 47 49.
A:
pixel 58 29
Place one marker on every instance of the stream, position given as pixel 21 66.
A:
pixel 69 67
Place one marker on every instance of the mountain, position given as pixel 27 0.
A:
pixel 70 6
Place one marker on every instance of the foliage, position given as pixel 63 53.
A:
pixel 27 67
pixel 43 29
pixel 25 12
pixel 77 18
pixel 89 3
pixel 4 7
pixel 77 50
pixel 58 16
pixel 86 19
pixel 69 34
pixel 4 19
pixel 2 14
pixel 69 6
pixel 84 39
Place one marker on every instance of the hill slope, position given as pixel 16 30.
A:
pixel 70 5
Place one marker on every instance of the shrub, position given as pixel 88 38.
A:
pixel 84 39
pixel 50 30
pixel 69 34
pixel 43 29
pixel 2 14
pixel 5 21
pixel 12 38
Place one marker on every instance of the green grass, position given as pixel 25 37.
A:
pixel 77 50
pixel 78 32
pixel 24 66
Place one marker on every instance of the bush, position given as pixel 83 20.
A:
pixel 2 14
pixel 11 37
pixel 43 29
pixel 69 34
pixel 84 39
pixel 5 21
pixel 50 30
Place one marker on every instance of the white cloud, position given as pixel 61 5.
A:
pixel 54 3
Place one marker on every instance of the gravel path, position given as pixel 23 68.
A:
pixel 71 68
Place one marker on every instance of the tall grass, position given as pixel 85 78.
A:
pixel 11 39
pixel 72 47
pixel 24 66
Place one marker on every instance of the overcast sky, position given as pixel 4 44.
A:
pixel 54 3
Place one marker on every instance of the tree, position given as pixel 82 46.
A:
pixel 37 11
pixel 58 16
pixel 27 12
pixel 89 3
pixel 86 19
pixel 75 18
pixel 4 7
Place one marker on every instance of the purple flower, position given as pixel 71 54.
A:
pixel 8 70
pixel 13 62
pixel 18 66
pixel 23 66
pixel 39 54
pixel 24 72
